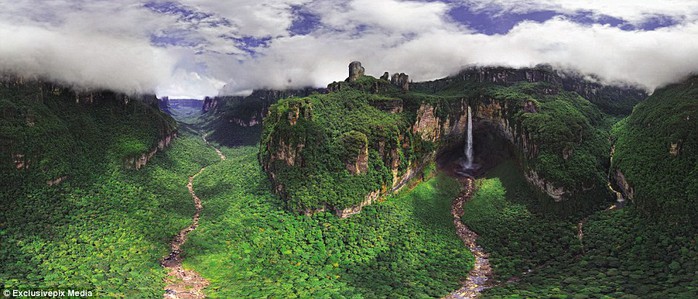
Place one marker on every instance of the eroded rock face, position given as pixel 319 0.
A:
pixel 209 104
pixel 245 123
pixel 347 212
pixel 355 71
pixel 556 193
pixel 289 153
pixel 674 149
pixel 530 107
pixel 392 106
pixel 427 125
pixel 360 163
pixel 56 181
pixel 401 80
pixel 439 122
pixel 138 162
pixel 625 187
pixel 20 161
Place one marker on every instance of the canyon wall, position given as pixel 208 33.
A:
pixel 53 133
pixel 554 132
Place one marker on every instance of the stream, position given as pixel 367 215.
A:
pixel 480 277
pixel 182 283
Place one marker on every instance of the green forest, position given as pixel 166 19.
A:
pixel 94 192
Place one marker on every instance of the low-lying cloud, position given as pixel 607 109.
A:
pixel 90 61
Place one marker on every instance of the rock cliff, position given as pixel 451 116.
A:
pixel 360 142
pixel 53 133
pixel 236 120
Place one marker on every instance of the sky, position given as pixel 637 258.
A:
pixel 197 48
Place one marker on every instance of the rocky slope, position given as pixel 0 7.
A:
pixel 368 136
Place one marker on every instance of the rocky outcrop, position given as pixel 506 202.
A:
pixel 392 106
pixel 356 145
pixel 427 125
pixel 375 196
pixel 556 193
pixel 164 105
pixel 675 149
pixel 20 161
pixel 209 104
pixel 137 162
pixel 347 212
pixel 401 80
pixel 622 183
pixel 355 71
pixel 245 123
pixel 288 153
pixel 615 99
pixel 248 111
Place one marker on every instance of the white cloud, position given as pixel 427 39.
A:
pixel 394 16
pixel 88 60
pixel 108 44
pixel 253 18
pixel 632 11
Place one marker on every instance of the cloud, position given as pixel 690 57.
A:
pixel 648 58
pixel 632 11
pixel 190 48
pixel 93 61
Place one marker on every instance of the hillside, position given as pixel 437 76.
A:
pixel 656 153
pixel 368 136
pixel 79 207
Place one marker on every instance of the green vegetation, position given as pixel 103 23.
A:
pixel 104 228
pixel 657 151
pixel 249 247
pixel 517 235
pixel 52 136
pixel 307 142
pixel 237 120
pixel 567 143
pixel 621 255
pixel 322 125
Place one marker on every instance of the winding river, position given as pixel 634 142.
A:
pixel 480 277
pixel 182 283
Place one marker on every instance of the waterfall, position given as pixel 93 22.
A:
pixel 469 141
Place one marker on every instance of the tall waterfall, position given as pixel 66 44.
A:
pixel 469 142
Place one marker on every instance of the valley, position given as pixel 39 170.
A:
pixel 493 183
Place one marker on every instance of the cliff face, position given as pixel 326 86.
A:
pixel 613 99
pixel 236 120
pixel 138 161
pixel 366 138
pixel 51 133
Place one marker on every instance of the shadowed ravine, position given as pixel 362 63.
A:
pixel 480 277
pixel 181 283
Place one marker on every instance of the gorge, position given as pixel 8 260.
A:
pixel 470 185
